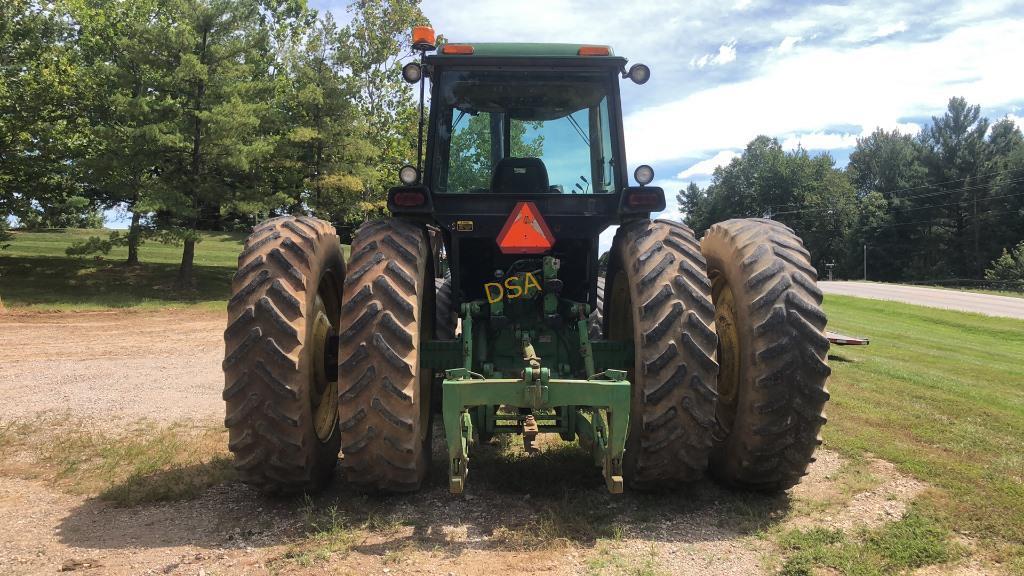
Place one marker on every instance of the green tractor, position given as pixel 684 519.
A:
pixel 481 301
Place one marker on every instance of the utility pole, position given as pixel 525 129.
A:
pixel 865 262
pixel 977 257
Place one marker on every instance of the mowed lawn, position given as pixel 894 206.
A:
pixel 35 272
pixel 940 394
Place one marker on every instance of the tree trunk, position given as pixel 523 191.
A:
pixel 185 270
pixel 188 254
pixel 133 239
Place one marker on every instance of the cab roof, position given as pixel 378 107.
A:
pixel 525 50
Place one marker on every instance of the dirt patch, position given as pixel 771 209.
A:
pixel 113 366
pixel 850 495
pixel 885 503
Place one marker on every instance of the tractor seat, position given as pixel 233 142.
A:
pixel 520 176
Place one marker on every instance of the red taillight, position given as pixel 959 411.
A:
pixel 408 199
pixel 644 199
pixel 593 51
pixel 457 49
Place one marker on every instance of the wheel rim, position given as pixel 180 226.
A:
pixel 323 397
pixel 728 349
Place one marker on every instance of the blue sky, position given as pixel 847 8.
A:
pixel 818 75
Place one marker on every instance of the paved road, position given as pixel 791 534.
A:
pixel 989 304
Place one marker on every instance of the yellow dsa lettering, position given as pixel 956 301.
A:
pixel 530 280
pixel 492 297
pixel 512 288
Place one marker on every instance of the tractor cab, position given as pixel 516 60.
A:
pixel 515 124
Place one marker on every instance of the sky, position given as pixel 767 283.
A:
pixel 812 75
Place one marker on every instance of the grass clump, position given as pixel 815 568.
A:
pixel 577 518
pixel 912 542
pixel 327 532
pixel 573 506
pixel 607 561
pixel 147 463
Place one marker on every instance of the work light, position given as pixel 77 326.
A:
pixel 408 175
pixel 639 73
pixel 643 174
pixel 412 72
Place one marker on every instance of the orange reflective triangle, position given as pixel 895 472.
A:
pixel 525 231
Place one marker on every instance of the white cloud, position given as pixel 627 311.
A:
pixel 726 53
pixel 819 141
pixel 741 5
pixel 707 167
pixel 890 29
pixel 1019 121
pixel 808 90
pixel 787 43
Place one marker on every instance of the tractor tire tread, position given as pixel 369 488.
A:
pixel 379 371
pixel 672 420
pixel 268 423
pixel 779 416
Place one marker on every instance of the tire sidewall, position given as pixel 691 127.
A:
pixel 720 262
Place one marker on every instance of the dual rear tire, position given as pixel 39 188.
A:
pixel 291 402
pixel 730 349
pixel 772 353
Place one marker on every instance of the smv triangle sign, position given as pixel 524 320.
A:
pixel 525 231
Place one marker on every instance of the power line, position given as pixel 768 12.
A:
pixel 962 202
pixel 968 188
pixel 934 184
pixel 894 193
pixel 931 220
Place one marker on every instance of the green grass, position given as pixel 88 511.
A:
pixel 912 542
pixel 145 462
pixel 217 249
pixel 940 394
pixel 35 272
pixel 328 532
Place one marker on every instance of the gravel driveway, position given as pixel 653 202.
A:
pixel 158 365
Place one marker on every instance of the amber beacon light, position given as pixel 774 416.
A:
pixel 423 38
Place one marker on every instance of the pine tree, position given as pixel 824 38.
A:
pixel 216 47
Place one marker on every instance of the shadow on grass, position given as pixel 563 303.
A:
pixel 513 502
pixel 79 282
pixel 183 482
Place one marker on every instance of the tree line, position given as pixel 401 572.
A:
pixel 946 203
pixel 195 115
